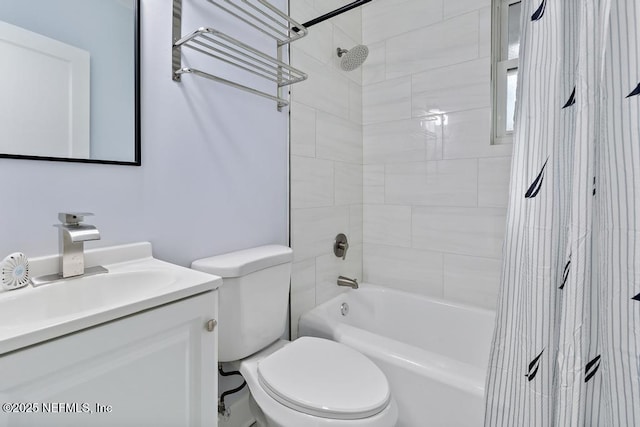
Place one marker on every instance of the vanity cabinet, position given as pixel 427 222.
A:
pixel 154 368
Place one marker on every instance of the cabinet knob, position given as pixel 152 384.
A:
pixel 211 325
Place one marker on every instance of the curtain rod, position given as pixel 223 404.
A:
pixel 331 14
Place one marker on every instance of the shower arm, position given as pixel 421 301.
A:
pixel 331 14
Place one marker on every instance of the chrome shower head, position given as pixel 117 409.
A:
pixel 353 58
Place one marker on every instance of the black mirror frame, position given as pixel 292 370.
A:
pixel 137 135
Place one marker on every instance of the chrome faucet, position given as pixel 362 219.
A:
pixel 73 234
pixel 345 281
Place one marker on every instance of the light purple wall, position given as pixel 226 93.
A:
pixel 213 175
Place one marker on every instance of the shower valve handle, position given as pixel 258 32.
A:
pixel 341 246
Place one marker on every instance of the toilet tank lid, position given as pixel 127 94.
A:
pixel 241 263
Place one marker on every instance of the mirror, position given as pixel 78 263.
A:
pixel 69 84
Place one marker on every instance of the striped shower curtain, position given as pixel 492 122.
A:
pixel 566 349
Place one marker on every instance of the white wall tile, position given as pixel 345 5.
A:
pixel 493 181
pixel 436 183
pixel 464 231
pixel 303 130
pixel 333 99
pixel 408 269
pixel 387 101
pixel 347 183
pixel 411 140
pixel 458 7
pixel 463 86
pixel 325 6
pixel 373 184
pixel 467 134
pixel 374 68
pixel 318 44
pixel 303 291
pixel 355 103
pixel 338 139
pixel 373 194
pixel 303 10
pixel 373 175
pixel 311 182
pixel 484 45
pixel 420 175
pixel 472 280
pixel 445 43
pixel 314 230
pixel 349 22
pixel 325 89
pixel 432 127
pixel 383 19
pixel 355 224
pixel 387 225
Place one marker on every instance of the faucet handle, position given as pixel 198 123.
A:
pixel 341 246
pixel 73 218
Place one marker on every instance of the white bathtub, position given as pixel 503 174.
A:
pixel 434 352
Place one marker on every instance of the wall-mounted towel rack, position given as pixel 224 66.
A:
pixel 213 43
pixel 265 18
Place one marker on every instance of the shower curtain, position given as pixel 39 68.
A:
pixel 566 349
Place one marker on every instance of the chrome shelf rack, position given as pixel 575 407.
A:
pixel 260 15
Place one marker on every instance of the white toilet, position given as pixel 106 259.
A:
pixel 310 382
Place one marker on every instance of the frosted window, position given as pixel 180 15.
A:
pixel 512 84
pixel 514 31
pixel 506 42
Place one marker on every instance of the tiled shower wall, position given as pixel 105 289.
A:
pixel 326 157
pixel 435 188
pixel 398 153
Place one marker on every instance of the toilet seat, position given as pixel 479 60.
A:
pixel 325 379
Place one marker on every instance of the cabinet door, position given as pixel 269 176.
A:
pixel 156 368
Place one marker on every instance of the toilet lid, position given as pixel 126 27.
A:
pixel 324 378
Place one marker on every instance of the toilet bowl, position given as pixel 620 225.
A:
pixel 309 382
pixel 316 382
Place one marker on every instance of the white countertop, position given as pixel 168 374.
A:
pixel 135 282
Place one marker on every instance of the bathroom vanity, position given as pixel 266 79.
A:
pixel 136 346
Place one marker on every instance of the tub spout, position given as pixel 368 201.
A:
pixel 345 281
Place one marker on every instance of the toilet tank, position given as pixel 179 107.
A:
pixel 254 297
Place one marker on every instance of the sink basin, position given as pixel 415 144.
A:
pixel 80 295
pixel 135 282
